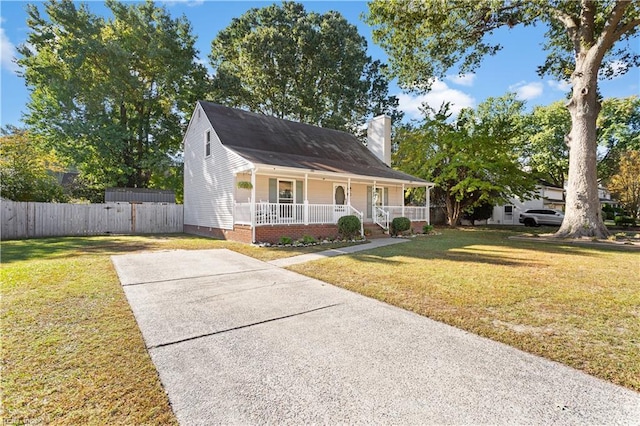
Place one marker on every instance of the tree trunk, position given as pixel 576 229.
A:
pixel 583 215
pixel 453 211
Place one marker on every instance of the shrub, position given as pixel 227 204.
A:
pixel 427 229
pixel 286 240
pixel 399 225
pixel 349 226
pixel 624 221
pixel 308 239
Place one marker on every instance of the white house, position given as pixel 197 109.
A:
pixel 249 177
pixel 547 197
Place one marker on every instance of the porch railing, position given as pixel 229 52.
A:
pixel 413 213
pixel 381 217
pixel 312 214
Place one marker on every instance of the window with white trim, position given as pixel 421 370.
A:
pixel 207 143
pixel 286 192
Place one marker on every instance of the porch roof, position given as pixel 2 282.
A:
pixel 261 139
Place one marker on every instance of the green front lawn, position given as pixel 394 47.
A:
pixel 578 305
pixel 71 349
pixel 72 353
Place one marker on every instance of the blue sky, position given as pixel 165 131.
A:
pixel 512 70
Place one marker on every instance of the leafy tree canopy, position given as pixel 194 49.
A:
pixel 313 68
pixel 26 168
pixel 545 152
pixel 111 94
pixel 472 161
pixel 618 132
pixel 625 183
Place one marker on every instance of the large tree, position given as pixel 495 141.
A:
pixel 546 152
pixel 308 67
pixel 111 94
pixel 585 41
pixel 472 160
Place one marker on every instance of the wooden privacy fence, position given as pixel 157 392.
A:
pixel 30 220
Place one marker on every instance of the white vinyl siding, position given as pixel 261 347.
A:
pixel 209 186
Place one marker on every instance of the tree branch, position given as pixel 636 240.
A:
pixel 587 22
pixel 609 33
pixel 571 25
pixel 626 27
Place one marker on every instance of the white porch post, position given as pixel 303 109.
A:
pixel 306 199
pixel 402 201
pixel 428 204
pixel 253 205
pixel 349 192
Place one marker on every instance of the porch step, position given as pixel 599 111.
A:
pixel 374 231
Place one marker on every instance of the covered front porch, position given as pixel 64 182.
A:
pixel 279 196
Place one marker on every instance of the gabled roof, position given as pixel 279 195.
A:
pixel 273 141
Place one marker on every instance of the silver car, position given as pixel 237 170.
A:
pixel 537 217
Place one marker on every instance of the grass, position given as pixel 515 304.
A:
pixel 72 352
pixel 577 305
pixel 71 349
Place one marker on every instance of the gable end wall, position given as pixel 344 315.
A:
pixel 209 183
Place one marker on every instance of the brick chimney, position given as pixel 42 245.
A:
pixel 379 138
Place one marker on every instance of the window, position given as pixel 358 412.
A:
pixel 207 143
pixel 285 191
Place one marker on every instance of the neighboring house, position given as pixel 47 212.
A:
pixel 139 195
pixel 254 178
pixel 547 197
pixel 605 197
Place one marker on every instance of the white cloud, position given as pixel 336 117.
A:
pixel 7 53
pixel 562 86
pixel 438 94
pixel 527 91
pixel 462 79
pixel 190 3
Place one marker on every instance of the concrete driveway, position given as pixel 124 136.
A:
pixel 239 341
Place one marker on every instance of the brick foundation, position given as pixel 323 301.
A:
pixel 241 233
pixel 272 234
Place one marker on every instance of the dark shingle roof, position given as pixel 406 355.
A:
pixel 268 140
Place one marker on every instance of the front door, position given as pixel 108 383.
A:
pixel 339 201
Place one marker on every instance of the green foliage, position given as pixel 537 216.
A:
pixel 546 152
pixel 472 160
pixel 624 221
pixel 286 241
pixel 308 239
pixel 313 68
pixel 585 41
pixel 349 226
pixel 480 212
pixel 112 93
pixel 625 184
pixel 400 225
pixel 425 39
pixel 81 190
pixel 26 168
pixel 426 229
pixel 618 132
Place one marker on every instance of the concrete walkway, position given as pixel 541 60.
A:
pixel 239 341
pixel 375 243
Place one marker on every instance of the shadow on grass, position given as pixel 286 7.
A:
pixel 480 245
pixel 65 247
